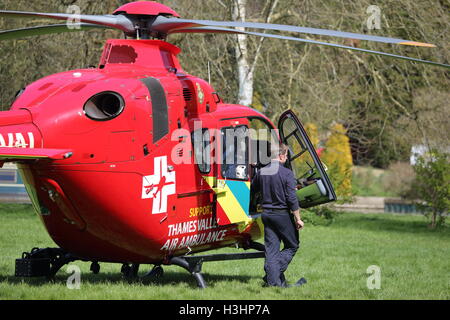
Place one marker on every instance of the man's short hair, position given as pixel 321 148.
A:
pixel 279 149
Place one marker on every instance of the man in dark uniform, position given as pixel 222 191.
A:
pixel 281 216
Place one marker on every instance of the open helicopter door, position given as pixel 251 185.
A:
pixel 232 180
pixel 314 185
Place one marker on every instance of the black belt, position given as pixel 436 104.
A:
pixel 277 210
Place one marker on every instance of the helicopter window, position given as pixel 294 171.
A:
pixel 104 106
pixel 201 141
pixel 300 159
pixel 235 152
pixel 262 136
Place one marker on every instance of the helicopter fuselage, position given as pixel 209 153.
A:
pixel 129 189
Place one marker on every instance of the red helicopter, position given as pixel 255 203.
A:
pixel 137 162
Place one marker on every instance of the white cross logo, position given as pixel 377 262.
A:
pixel 159 186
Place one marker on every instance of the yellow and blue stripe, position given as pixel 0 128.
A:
pixel 233 197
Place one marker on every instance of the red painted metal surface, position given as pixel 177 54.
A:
pixel 146 8
pixel 120 197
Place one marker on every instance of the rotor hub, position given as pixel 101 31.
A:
pixel 143 14
pixel 149 8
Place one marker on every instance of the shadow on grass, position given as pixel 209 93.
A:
pixel 170 278
pixel 391 223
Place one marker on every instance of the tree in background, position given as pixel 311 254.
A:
pixel 311 130
pixel 432 185
pixel 337 157
pixel 246 62
pixel 29 59
pixel 387 104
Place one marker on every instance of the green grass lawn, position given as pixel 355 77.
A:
pixel 414 263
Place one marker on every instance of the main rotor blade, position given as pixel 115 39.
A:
pixel 118 22
pixel 42 30
pixel 267 35
pixel 169 25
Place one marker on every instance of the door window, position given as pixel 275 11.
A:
pixel 300 160
pixel 262 136
pixel 314 186
pixel 235 153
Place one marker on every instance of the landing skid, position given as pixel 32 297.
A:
pixel 193 264
pixel 47 262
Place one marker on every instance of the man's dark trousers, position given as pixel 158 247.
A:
pixel 279 227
